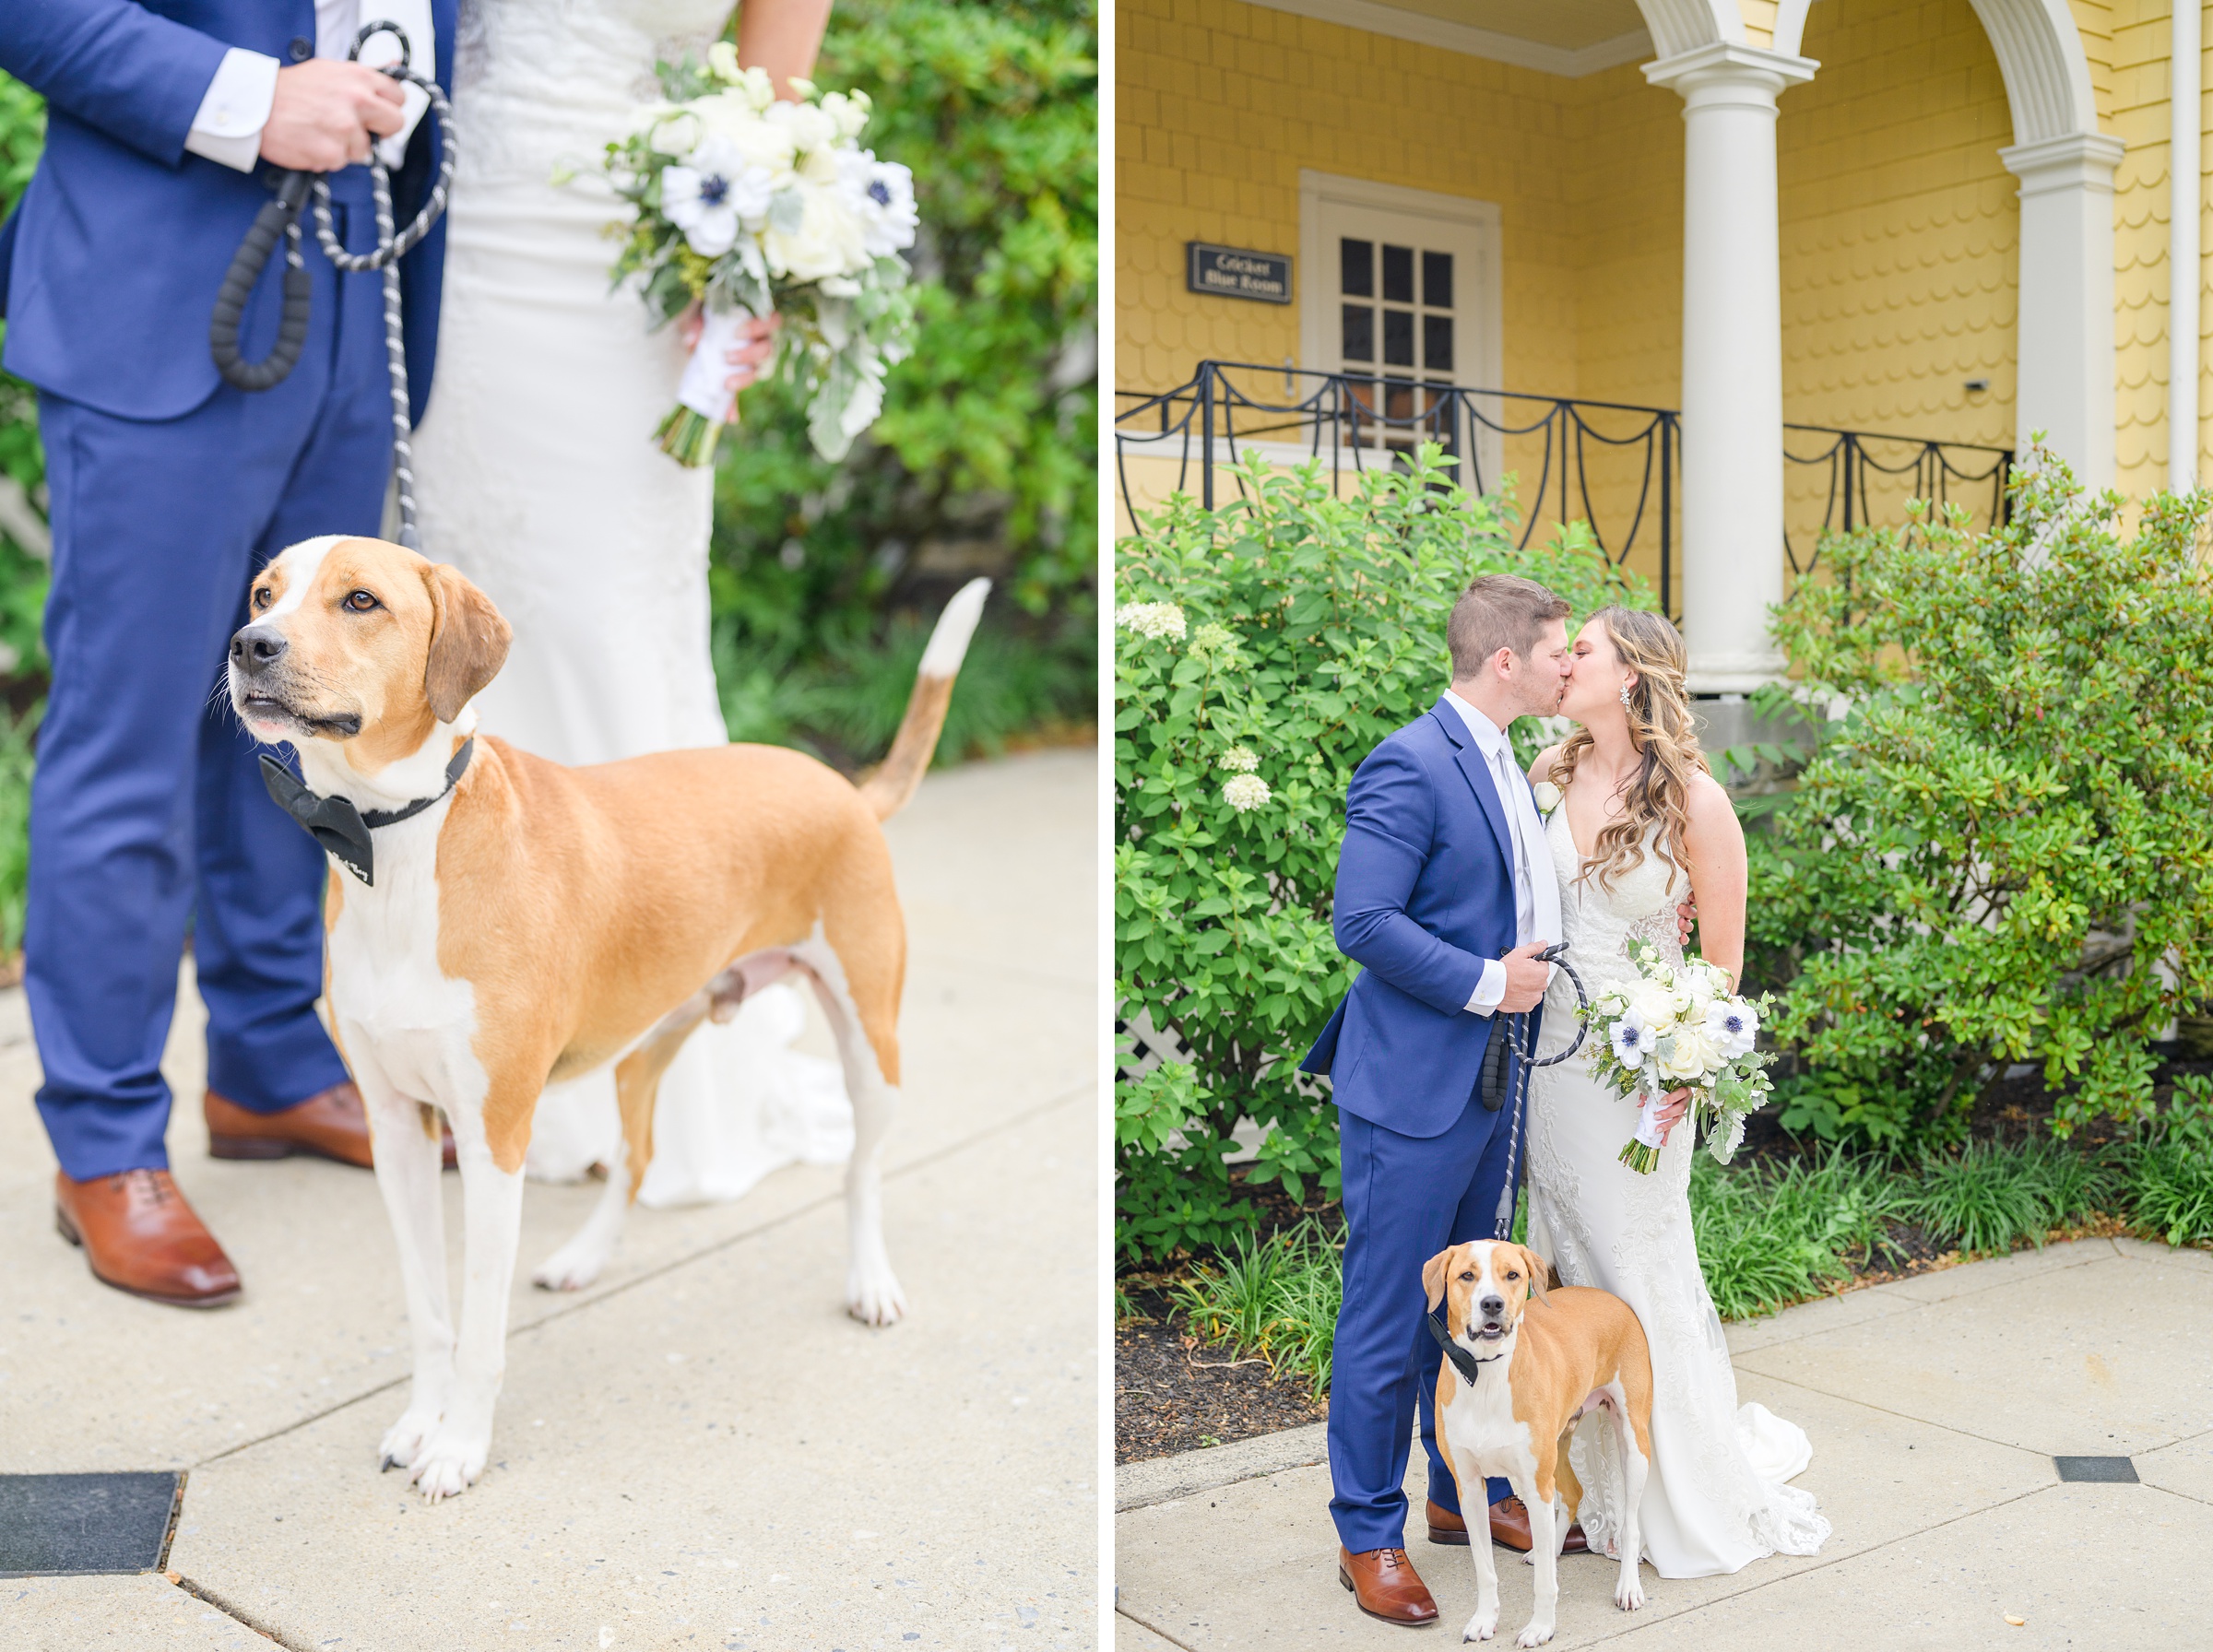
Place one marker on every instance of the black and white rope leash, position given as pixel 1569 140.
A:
pixel 280 219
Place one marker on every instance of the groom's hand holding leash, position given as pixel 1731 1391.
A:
pixel 326 114
pixel 1526 979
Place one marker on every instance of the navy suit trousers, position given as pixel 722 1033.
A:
pixel 149 817
pixel 1405 1199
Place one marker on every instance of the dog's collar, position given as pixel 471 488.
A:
pixel 341 827
pixel 1466 1364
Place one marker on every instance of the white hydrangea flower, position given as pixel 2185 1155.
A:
pixel 1240 761
pixel 1151 621
pixel 1211 638
pixel 1246 793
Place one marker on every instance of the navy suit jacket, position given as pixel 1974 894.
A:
pixel 109 264
pixel 1425 894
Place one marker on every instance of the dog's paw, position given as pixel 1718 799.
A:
pixel 448 1465
pixel 571 1268
pixel 1536 1635
pixel 873 1297
pixel 1629 1594
pixel 1481 1627
pixel 403 1441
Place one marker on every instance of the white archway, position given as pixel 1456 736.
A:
pixel 2064 333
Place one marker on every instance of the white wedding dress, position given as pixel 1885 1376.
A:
pixel 1716 1499
pixel 536 476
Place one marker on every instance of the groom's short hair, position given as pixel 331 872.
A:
pixel 1499 610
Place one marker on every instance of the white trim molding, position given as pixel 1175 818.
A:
pixel 1570 63
pixel 1732 358
pixel 2064 330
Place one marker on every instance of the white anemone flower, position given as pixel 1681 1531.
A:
pixel 1632 1041
pixel 715 196
pixel 883 195
pixel 1734 1025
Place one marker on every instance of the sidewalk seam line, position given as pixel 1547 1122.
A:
pixel 1123 1611
pixel 1965 1434
pixel 1766 1583
pixel 1916 1302
pixel 200 1592
pixel 774 1223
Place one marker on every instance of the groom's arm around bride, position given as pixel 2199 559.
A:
pixel 1444 894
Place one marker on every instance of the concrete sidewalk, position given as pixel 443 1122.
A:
pixel 701 1450
pixel 1935 1405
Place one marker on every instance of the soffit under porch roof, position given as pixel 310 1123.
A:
pixel 1555 37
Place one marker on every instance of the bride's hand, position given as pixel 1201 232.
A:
pixel 1686 915
pixel 1669 1112
pixel 756 342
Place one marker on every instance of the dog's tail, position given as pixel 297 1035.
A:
pixel 894 783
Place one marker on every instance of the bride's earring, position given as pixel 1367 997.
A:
pixel 1624 694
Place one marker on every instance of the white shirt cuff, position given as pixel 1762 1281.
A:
pixel 228 127
pixel 1489 991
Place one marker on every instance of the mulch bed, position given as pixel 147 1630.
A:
pixel 1174 1393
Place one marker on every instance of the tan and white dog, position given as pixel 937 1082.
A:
pixel 1540 1362
pixel 532 922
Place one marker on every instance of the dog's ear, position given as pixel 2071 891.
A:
pixel 1539 1271
pixel 468 642
pixel 1433 1277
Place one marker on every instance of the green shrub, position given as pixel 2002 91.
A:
pixel 1263 650
pixel 2003 850
pixel 1988 1198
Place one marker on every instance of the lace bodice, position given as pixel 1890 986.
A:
pixel 1598 923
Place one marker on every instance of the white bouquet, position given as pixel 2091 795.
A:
pixel 1679 1027
pixel 753 206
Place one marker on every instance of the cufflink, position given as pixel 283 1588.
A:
pixel 300 50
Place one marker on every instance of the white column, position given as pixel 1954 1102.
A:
pixel 2064 333
pixel 1731 358
pixel 2186 184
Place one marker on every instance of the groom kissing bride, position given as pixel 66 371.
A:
pixel 1450 882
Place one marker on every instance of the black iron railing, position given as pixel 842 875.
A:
pixel 1610 464
pixel 1870 478
pixel 1606 463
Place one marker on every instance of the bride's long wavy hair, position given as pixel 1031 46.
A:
pixel 1658 792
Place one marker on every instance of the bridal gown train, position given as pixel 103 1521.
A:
pixel 537 477
pixel 1716 1499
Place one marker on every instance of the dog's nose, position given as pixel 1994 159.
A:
pixel 256 648
pixel 1492 1306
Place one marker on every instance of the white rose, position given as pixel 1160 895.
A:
pixel 732 115
pixel 1694 991
pixel 827 241
pixel 1653 1003
pixel 1547 795
pixel 1689 1055
pixel 814 134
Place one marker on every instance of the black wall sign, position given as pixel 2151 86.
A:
pixel 1233 273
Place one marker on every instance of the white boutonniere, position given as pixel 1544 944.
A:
pixel 1547 795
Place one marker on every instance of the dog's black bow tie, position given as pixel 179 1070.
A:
pixel 336 824
pixel 1466 1364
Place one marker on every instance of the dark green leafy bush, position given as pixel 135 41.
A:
pixel 1263 650
pixel 2002 851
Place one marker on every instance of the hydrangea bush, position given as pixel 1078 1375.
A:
pixel 1262 650
pixel 2002 851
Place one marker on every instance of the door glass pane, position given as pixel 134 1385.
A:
pixel 1398 337
pixel 1359 333
pixel 1436 280
pixel 1397 399
pixel 1398 274
pixel 1359 261
pixel 1437 343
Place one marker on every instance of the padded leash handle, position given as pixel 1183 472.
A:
pixel 1526 1062
pixel 279 220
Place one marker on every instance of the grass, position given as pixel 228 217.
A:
pixel 1276 1297
pixel 1781 1230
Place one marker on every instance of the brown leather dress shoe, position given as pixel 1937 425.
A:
pixel 1509 1528
pixel 1384 1584
pixel 139 1236
pixel 331 1124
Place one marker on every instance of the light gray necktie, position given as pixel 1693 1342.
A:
pixel 1509 800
